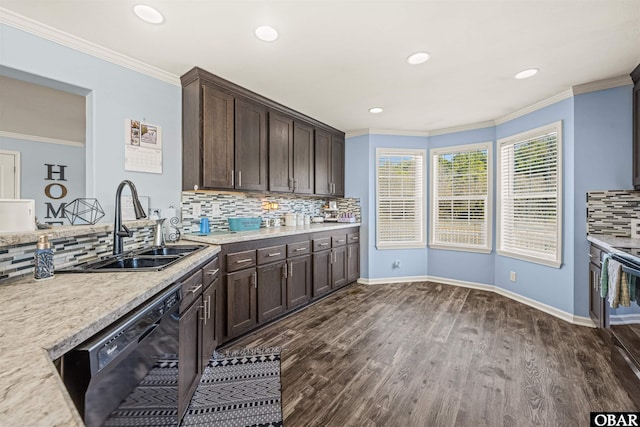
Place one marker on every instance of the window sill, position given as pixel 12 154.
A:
pixel 460 248
pixel 528 258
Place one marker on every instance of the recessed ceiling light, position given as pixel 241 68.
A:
pixel 418 58
pixel 148 14
pixel 266 33
pixel 527 73
pixel 375 110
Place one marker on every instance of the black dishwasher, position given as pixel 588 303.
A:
pixel 128 373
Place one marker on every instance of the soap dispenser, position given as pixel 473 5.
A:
pixel 43 268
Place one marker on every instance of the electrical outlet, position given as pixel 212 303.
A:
pixel 512 276
pixel 635 228
pixel 396 264
pixel 197 208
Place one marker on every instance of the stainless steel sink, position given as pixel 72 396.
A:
pixel 147 259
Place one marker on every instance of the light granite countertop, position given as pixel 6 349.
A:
pixel 612 244
pixel 42 320
pixel 224 237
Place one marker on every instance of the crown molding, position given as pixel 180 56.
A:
pixel 65 39
pixel 602 85
pixel 535 107
pixel 462 128
pixel 360 132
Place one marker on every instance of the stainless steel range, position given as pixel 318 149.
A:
pixel 625 326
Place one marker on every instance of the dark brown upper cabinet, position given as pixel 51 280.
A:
pixel 229 142
pixel 251 146
pixel 291 164
pixel 329 173
pixel 635 75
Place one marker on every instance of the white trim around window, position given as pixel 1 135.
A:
pixel 400 198
pixel 529 188
pixel 462 198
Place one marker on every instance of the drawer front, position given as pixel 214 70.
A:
pixel 211 271
pixel 299 248
pixel 321 244
pixel 274 253
pixel 595 255
pixel 353 238
pixel 191 289
pixel 339 240
pixel 240 260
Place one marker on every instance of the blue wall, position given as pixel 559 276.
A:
pixel 116 93
pixel 596 155
pixel 360 159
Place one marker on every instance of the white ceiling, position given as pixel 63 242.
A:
pixel 337 58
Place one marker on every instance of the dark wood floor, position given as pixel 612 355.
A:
pixel 426 354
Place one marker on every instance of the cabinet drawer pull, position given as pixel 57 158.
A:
pixel 301 249
pixel 355 239
pixel 274 254
pixel 195 288
pixel 212 272
pixel 324 244
pixel 242 261
pixel 340 240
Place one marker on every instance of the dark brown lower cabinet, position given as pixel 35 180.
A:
pixel 298 281
pixel 321 273
pixel 241 301
pixel 272 290
pixel 339 267
pixel 189 368
pixel 209 327
pixel 353 263
pixel 596 302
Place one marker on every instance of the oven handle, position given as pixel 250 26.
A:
pixel 625 265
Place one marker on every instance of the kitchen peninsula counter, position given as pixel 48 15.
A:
pixel 42 320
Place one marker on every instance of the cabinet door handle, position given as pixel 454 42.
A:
pixel 242 261
pixel 290 269
pixel 233 178
pixel 290 183
pixel 284 270
pixel 295 184
pixel 209 307
pixel 212 272
pixel 274 254
pixel 204 311
pixel 254 279
pixel 301 249
pixel 239 179
pixel 195 288
pixel 349 253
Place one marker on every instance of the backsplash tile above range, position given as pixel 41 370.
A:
pixel 611 212
pixel 218 206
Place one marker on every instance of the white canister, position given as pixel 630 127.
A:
pixel 300 219
pixel 307 219
pixel 290 220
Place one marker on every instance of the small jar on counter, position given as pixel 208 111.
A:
pixel 43 259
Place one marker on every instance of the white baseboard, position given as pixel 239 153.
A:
pixel 624 319
pixel 560 314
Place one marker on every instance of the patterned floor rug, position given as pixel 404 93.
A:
pixel 237 389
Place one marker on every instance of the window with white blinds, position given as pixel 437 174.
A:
pixel 400 189
pixel 461 198
pixel 530 196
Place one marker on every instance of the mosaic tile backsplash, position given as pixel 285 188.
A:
pixel 611 212
pixel 218 206
pixel 17 260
